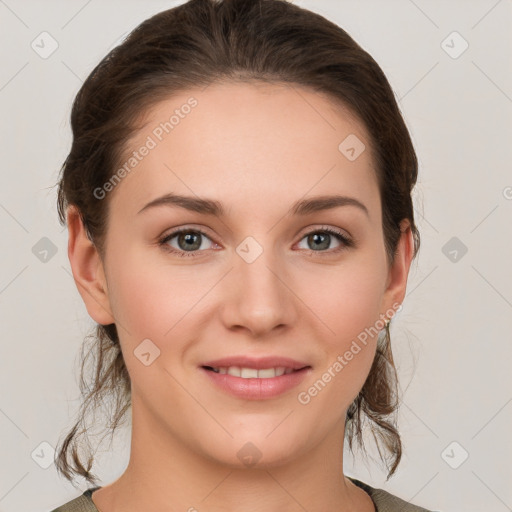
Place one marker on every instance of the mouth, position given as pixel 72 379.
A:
pixel 253 373
pixel 255 379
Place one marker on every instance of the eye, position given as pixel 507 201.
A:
pixel 188 241
pixel 191 241
pixel 321 239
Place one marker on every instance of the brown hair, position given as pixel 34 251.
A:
pixel 193 45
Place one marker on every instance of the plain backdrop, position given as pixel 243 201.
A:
pixel 452 339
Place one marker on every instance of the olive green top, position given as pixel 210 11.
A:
pixel 383 501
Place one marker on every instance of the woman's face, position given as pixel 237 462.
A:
pixel 256 277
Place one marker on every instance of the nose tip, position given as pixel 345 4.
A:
pixel 258 300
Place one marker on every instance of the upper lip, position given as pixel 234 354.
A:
pixel 257 363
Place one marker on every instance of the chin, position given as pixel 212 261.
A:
pixel 256 451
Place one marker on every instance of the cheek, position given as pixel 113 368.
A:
pixel 345 299
pixel 349 306
pixel 149 303
pixel 156 301
pixel 148 297
pixel 347 302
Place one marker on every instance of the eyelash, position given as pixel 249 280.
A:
pixel 346 242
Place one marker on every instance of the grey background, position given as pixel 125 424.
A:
pixel 452 339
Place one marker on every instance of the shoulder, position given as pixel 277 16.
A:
pixel 83 503
pixel 386 502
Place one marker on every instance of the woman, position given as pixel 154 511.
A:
pixel 241 228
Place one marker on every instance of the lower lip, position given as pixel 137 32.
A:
pixel 257 389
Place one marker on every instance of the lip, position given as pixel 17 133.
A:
pixel 255 388
pixel 256 363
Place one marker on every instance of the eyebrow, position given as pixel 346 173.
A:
pixel 212 207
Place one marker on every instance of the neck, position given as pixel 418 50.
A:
pixel 165 474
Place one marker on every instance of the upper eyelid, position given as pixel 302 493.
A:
pixel 176 231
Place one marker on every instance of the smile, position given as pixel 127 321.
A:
pixel 251 373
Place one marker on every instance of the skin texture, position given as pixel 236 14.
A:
pixel 256 148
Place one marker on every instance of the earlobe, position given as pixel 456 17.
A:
pixel 399 270
pixel 87 269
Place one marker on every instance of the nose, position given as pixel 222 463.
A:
pixel 259 297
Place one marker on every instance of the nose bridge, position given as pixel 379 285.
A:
pixel 260 301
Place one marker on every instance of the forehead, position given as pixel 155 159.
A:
pixel 236 141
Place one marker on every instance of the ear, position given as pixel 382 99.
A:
pixel 399 271
pixel 88 270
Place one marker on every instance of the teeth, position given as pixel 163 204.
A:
pixel 248 373
pixel 252 373
pixel 234 370
pixel 267 373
